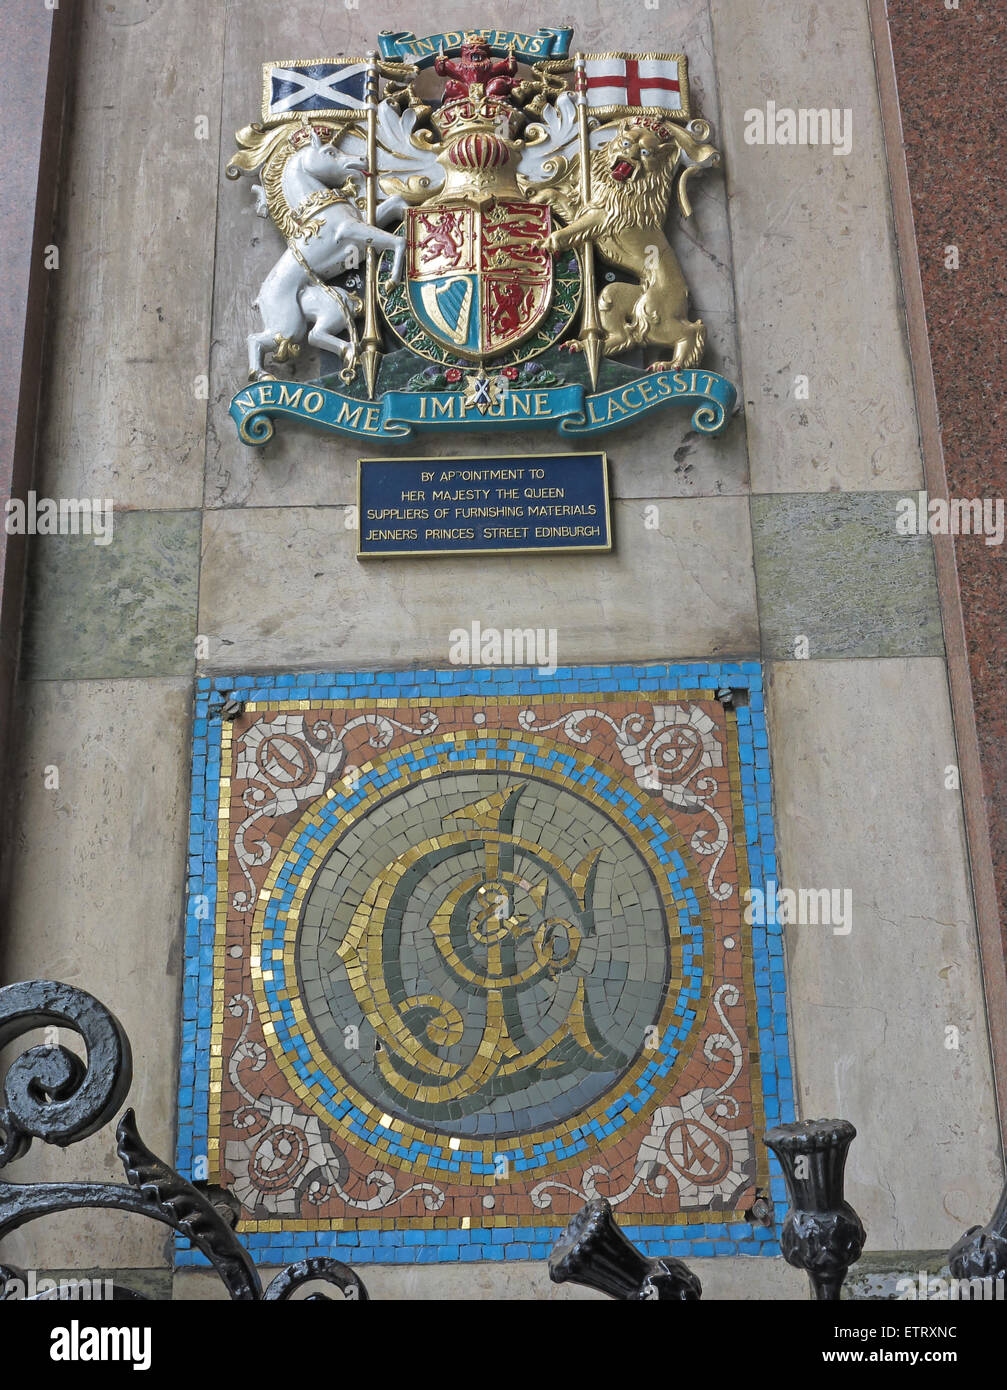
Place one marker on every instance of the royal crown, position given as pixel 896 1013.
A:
pixel 301 134
pixel 658 128
pixel 477 113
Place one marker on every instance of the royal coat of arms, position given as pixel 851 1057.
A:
pixel 475 229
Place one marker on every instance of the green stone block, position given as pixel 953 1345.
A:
pixel 831 568
pixel 123 609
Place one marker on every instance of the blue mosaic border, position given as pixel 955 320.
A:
pixel 700 1239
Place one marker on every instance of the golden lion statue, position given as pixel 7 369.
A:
pixel 631 182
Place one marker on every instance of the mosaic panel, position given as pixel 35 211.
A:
pixel 466 948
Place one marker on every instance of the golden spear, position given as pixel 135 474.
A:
pixel 591 331
pixel 370 344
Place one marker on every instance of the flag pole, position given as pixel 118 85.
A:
pixel 591 331
pixel 370 346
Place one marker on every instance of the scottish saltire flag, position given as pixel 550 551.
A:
pixel 621 84
pixel 314 87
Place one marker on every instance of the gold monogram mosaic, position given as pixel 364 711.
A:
pixel 477 957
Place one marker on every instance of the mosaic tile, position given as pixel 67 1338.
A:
pixel 466 948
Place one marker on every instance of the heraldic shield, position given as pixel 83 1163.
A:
pixel 480 280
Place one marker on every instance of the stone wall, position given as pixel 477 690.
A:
pixel 782 529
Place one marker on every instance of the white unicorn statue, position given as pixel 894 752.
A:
pixel 326 235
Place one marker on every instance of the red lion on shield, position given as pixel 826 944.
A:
pixel 443 237
pixel 511 305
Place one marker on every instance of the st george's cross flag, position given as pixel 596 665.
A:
pixel 651 84
pixel 316 87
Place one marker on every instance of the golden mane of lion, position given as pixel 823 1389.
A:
pixel 640 202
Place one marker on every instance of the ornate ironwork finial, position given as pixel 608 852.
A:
pixel 595 1252
pixel 981 1253
pixel 822 1234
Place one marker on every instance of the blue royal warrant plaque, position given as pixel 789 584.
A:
pixel 491 505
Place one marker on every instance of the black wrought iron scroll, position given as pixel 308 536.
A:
pixel 50 1094
pixel 595 1252
pixel 822 1234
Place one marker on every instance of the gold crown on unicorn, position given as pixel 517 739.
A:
pixel 302 133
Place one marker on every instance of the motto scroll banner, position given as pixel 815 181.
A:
pixel 568 409
pixel 404 47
